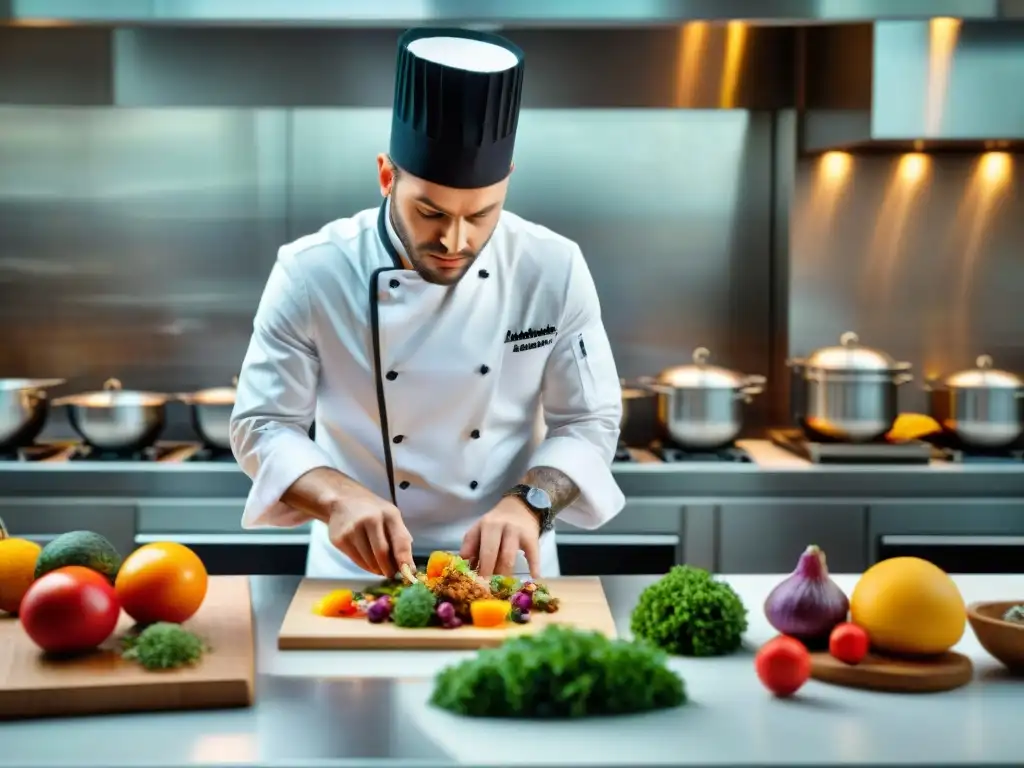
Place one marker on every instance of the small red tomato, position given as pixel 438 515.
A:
pixel 783 665
pixel 70 610
pixel 849 643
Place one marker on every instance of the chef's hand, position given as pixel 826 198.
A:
pixel 370 531
pixel 497 537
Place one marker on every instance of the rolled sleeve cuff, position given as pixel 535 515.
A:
pixel 600 497
pixel 291 456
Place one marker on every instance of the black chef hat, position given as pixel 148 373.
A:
pixel 456 109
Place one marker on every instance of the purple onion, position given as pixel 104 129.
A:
pixel 807 605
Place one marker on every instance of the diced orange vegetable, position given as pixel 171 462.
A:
pixel 489 613
pixel 336 603
pixel 436 564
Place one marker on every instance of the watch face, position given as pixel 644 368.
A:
pixel 538 498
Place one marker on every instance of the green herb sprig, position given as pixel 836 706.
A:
pixel 559 672
pixel 690 613
pixel 164 646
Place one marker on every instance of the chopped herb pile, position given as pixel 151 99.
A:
pixel 690 613
pixel 164 646
pixel 560 672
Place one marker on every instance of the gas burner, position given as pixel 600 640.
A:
pixel 673 455
pixel 38 452
pixel 909 452
pixel 213 456
pixel 622 453
pixel 151 453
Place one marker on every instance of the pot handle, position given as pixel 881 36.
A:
pixel 752 385
pixel 903 378
pixel 651 385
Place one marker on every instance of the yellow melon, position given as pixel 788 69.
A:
pixel 908 605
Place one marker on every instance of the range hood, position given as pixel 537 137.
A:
pixel 516 13
pixel 939 84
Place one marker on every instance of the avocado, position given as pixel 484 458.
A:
pixel 84 548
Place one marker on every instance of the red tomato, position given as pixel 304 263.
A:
pixel 849 643
pixel 81 573
pixel 783 665
pixel 69 611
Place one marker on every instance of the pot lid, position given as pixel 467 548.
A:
pixel 217 395
pixel 984 376
pixel 850 355
pixel 700 375
pixel 113 395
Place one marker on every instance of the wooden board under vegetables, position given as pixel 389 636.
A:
pixel 582 604
pixel 32 685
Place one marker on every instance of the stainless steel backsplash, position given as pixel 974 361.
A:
pixel 135 242
pixel 921 256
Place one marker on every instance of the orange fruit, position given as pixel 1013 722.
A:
pixel 17 571
pixel 909 606
pixel 163 581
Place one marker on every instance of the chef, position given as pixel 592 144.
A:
pixel 451 354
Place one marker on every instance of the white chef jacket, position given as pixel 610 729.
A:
pixel 436 397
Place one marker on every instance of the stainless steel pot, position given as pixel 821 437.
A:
pixel 847 392
pixel 629 396
pixel 982 407
pixel 115 419
pixel 700 406
pixel 24 405
pixel 211 414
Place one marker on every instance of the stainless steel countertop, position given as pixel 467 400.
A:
pixel 773 473
pixel 369 708
pixel 766 458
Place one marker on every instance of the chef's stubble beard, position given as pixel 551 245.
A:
pixel 403 235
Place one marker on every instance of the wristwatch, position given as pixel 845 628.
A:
pixel 537 501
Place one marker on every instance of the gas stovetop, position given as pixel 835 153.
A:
pixel 667 454
pixel 909 452
pixel 159 453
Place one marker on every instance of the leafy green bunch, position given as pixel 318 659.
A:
pixel 689 613
pixel 560 672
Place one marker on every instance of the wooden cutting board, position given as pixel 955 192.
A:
pixel 882 673
pixel 32 685
pixel 582 604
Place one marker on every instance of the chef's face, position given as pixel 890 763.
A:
pixel 443 229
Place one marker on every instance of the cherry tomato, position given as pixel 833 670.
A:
pixel 70 610
pixel 849 643
pixel 783 665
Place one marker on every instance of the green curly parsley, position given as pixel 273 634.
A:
pixel 690 613
pixel 559 672
pixel 164 646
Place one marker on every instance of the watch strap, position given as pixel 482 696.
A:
pixel 545 517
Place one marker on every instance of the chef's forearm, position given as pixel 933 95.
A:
pixel 318 492
pixel 560 488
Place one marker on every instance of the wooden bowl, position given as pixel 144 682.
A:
pixel 1003 639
